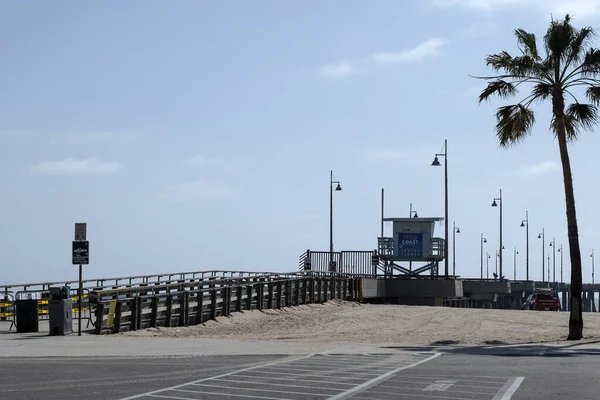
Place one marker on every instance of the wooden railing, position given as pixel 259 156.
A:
pixel 194 302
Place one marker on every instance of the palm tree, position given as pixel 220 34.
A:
pixel 567 63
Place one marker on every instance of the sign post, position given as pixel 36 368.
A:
pixel 81 256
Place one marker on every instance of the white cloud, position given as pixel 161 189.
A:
pixel 578 8
pixel 340 70
pixel 426 49
pixel 70 166
pixel 544 167
pixel 202 160
pixel 193 191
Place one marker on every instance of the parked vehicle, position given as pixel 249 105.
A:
pixel 542 301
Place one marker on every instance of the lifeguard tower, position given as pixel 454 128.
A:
pixel 412 241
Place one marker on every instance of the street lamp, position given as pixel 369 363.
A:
pixel 455 230
pixel 487 268
pixel 515 264
pixel 436 163
pixel 553 245
pixel 483 240
pixel 338 188
pixel 543 237
pixel 560 250
pixel 494 204
pixel 592 255
pixel 525 223
pixel 497 257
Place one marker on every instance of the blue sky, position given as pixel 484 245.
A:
pixel 197 135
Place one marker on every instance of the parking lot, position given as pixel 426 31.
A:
pixel 340 376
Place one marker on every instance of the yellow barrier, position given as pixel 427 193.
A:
pixel 6 314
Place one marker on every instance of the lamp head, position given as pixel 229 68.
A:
pixel 436 162
pixel 540 236
pixel 415 216
pixel 457 230
pixel 494 204
pixel 484 240
pixel 338 188
pixel 522 224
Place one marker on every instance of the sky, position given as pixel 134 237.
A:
pixel 197 135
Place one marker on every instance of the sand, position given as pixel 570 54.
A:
pixel 353 323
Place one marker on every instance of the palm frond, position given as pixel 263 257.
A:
pixel 542 91
pixel 500 88
pixel 593 94
pixel 559 37
pixel 527 42
pixel 514 124
pixel 579 43
pixel 591 63
pixel 519 67
pixel 577 117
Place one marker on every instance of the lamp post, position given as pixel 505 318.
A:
pixel 494 204
pixel 487 270
pixel 560 250
pixel 592 255
pixel 515 264
pixel 338 188
pixel 436 163
pixel 553 245
pixel 455 230
pixel 525 223
pixel 543 237
pixel 483 240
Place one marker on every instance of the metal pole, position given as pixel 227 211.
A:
pixel 330 221
pixel 515 264
pixel 453 248
pixel 543 255
pixel 527 242
pixel 487 267
pixel 497 262
pixel 382 199
pixel 501 235
pixel 561 264
pixel 481 253
pixel 446 206
pixel 79 300
pixel 554 260
pixel 593 266
pixel 410 216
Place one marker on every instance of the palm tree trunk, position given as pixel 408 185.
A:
pixel 576 317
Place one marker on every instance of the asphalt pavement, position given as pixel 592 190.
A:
pixel 528 372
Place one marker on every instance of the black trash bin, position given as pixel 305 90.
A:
pixel 27 315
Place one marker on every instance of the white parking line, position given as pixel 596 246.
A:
pixel 154 392
pixel 380 378
pixel 509 389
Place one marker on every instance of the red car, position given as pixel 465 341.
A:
pixel 542 301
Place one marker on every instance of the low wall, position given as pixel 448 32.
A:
pixel 471 288
pixel 411 291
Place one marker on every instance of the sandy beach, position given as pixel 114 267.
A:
pixel 353 323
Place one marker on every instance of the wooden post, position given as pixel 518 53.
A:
pixel 213 304
pixel 99 317
pixel 238 298
pixel 184 312
pixel 297 282
pixel 199 312
pixel 169 311
pixel 279 294
pixel 117 319
pixel 249 296
pixel 133 307
pixel 259 296
pixel 289 293
pixel 154 311
pixel 271 300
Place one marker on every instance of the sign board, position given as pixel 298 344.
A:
pixel 81 253
pixel 332 265
pixel 410 245
pixel 80 231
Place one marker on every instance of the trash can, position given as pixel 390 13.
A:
pixel 27 315
pixel 60 311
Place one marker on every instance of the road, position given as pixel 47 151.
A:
pixel 386 373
